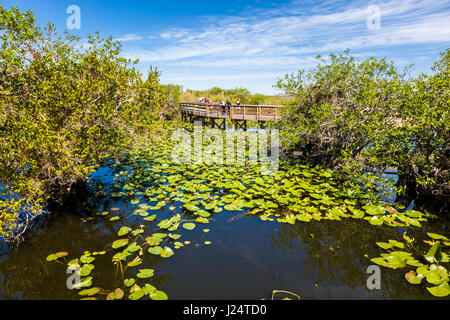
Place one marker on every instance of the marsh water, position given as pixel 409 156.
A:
pixel 247 257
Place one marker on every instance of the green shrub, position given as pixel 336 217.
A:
pixel 65 105
pixel 346 112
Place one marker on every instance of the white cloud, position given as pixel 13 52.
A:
pixel 287 38
pixel 129 37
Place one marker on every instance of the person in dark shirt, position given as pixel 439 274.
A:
pixel 228 105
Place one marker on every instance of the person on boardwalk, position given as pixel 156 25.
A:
pixel 222 104
pixel 228 104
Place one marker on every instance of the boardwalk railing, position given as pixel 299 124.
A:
pixel 233 112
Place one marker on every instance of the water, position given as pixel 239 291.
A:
pixel 248 258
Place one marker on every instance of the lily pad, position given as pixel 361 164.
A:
pixel 155 250
pixel 442 290
pixel 158 295
pixel 413 278
pixel 119 243
pixel 136 295
pixel 129 282
pixel 167 252
pixel 115 295
pixel 123 231
pixel 85 282
pixel 189 225
pixel 434 254
pixel 55 256
pixel 145 273
pixel 90 292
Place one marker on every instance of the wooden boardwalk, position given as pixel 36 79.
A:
pixel 238 114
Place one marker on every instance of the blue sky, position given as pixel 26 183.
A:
pixel 201 44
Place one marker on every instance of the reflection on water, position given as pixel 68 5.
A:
pixel 248 258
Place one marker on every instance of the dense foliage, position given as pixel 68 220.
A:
pixel 171 108
pixel 346 112
pixel 65 104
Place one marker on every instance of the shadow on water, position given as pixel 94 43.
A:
pixel 247 257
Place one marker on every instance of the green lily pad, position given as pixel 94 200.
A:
pixel 191 207
pixel 203 213
pixel 166 223
pixel 129 282
pixel 155 250
pixel 90 292
pixel 150 218
pixel 374 210
pixel 149 289
pixel 441 290
pixel 85 282
pixel 201 220
pixel 158 295
pixel 87 259
pixel 133 247
pixel 436 274
pixel 145 273
pixel 137 231
pixel 123 231
pixel 434 254
pixel 137 261
pixel 119 243
pixel 166 252
pixel 136 295
pixel 189 225
pixel 86 270
pixel 55 256
pixel 436 236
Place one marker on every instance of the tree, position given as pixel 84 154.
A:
pixel 349 114
pixel 64 106
pixel 339 108
pixel 173 92
pixel 420 146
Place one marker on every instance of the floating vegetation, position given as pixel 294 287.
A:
pixel 275 292
pixel 55 256
pixel 295 193
pixel 194 193
pixel 431 266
